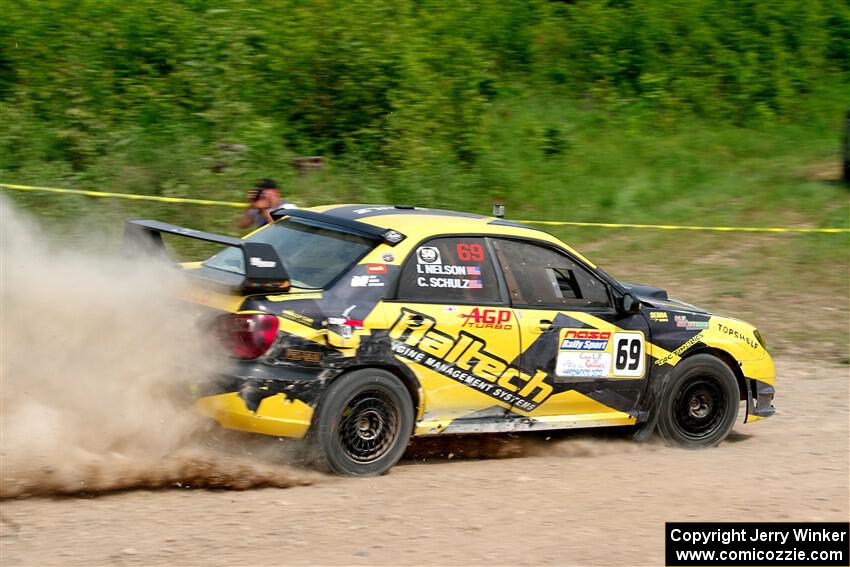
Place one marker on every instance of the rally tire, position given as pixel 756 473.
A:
pixel 699 405
pixel 363 425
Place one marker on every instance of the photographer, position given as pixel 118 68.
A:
pixel 263 199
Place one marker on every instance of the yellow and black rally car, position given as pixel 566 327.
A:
pixel 359 326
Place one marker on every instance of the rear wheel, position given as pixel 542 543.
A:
pixel 364 423
pixel 700 403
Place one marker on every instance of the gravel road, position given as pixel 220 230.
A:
pixel 577 499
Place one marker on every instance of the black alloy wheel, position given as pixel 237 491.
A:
pixel 368 427
pixel 700 402
pixel 362 424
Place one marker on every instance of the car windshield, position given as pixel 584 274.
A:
pixel 314 255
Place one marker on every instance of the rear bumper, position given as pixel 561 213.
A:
pixel 264 399
pixel 276 415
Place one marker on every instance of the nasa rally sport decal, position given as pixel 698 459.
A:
pixel 591 353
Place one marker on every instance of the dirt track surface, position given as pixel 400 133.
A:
pixel 580 499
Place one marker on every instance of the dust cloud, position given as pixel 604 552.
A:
pixel 96 356
pixel 565 444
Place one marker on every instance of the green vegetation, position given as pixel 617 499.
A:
pixel 684 112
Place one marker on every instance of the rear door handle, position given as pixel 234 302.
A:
pixel 542 326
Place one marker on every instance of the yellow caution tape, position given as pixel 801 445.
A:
pixel 833 230
pixel 125 196
pixel 686 227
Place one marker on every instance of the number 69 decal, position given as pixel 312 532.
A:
pixel 629 355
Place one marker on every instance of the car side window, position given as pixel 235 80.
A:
pixel 450 270
pixel 539 276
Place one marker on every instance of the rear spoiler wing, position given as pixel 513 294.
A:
pixel 264 269
pixel 376 233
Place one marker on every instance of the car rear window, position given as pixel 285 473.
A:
pixel 314 255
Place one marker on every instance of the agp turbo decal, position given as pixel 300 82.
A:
pixel 590 353
pixel 466 360
pixel 480 318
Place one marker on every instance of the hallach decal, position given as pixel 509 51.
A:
pixel 466 360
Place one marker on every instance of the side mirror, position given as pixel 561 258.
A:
pixel 630 305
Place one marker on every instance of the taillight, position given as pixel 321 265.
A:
pixel 248 335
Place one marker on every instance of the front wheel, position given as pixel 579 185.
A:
pixel 364 424
pixel 700 403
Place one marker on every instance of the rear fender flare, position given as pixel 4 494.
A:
pixel 404 374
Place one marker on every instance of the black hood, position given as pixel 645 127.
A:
pixel 645 292
pixel 657 298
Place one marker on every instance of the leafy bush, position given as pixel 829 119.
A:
pixel 145 91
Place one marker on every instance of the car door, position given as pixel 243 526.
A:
pixel 451 324
pixel 595 358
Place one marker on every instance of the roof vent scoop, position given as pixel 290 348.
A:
pixel 498 210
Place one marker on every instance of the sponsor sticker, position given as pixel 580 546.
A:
pixel 582 339
pixel 388 257
pixel 583 364
pixel 682 348
pixel 428 255
pixel 684 323
pixel 376 268
pixel 592 353
pixel 659 316
pixel 366 281
pixel 488 319
pixel 297 317
pixel 726 330
pixel 303 355
pixel 260 263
